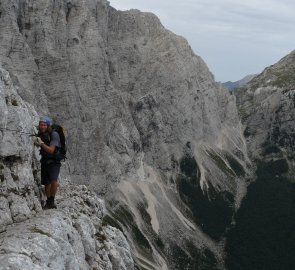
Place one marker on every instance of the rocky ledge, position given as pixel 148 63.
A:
pixel 72 237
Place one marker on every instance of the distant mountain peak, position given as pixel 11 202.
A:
pixel 234 85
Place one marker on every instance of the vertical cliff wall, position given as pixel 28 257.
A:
pixel 148 127
pixel 72 237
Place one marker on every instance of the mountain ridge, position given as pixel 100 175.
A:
pixel 240 83
pixel 266 107
pixel 150 130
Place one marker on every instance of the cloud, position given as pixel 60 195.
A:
pixel 234 37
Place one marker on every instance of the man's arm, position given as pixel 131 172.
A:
pixel 49 149
pixel 55 142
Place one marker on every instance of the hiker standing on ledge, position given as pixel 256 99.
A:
pixel 49 142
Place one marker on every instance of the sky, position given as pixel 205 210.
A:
pixel 234 37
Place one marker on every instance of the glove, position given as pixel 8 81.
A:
pixel 38 141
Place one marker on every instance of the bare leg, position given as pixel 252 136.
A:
pixel 53 188
pixel 48 191
pixel 48 195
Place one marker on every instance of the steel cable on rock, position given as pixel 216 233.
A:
pixel 18 131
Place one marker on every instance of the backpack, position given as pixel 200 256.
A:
pixel 60 152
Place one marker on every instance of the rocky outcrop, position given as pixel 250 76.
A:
pixel 17 167
pixel 266 107
pixel 148 127
pixel 74 237
pixel 265 220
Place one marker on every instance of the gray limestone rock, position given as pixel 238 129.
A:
pixel 148 127
pixel 17 186
pixel 68 238
pixel 5 214
pixel 19 208
pixel 266 107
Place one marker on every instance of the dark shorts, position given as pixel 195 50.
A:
pixel 49 171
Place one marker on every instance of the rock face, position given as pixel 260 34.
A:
pixel 265 222
pixel 17 167
pixel 74 237
pixel 266 108
pixel 148 127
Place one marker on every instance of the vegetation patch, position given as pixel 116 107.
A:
pixel 235 165
pixel 160 243
pixel 270 148
pixel 272 168
pixel 191 258
pixel 156 240
pixel 190 168
pixel 108 220
pixel 247 132
pixel 36 230
pixel 284 80
pixel 282 138
pixel 220 163
pixel 144 214
pixel 212 211
pixel 141 240
pixel 291 156
pixel 244 113
pixel 254 86
pixel 264 236
pixel 122 216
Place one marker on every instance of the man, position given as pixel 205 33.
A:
pixel 49 142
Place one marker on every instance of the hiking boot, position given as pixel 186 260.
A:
pixel 46 206
pixel 50 204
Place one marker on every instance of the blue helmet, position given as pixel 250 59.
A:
pixel 46 120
